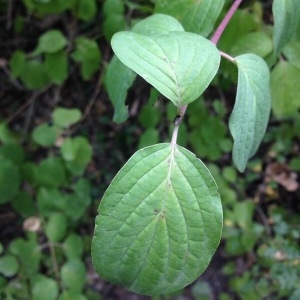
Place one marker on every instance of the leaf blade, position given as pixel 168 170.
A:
pixel 195 16
pixel 285 89
pixel 250 115
pixel 286 17
pixel 119 78
pixel 179 65
pixel 155 234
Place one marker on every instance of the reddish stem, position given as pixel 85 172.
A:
pixel 215 38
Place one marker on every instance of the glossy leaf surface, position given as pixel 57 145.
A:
pixel 180 65
pixel 249 118
pixel 159 222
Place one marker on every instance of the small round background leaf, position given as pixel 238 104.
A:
pixel 9 265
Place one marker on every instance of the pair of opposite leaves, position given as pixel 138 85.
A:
pixel 160 220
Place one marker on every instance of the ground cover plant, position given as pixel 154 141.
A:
pixel 84 84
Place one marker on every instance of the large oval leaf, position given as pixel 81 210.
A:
pixel 119 78
pixel 250 115
pixel 159 222
pixel 180 65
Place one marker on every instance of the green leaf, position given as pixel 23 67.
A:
pixel 13 152
pixel 88 54
pixel 118 79
pixel 9 265
pixel 202 290
pixel 258 43
pixel 180 65
pixel 56 227
pixel 65 117
pixel 44 287
pixel 113 24
pixel 17 63
pixel 159 222
pixel 77 203
pixel 285 89
pixel 114 17
pixel 45 7
pixel 148 138
pixel 149 116
pixel 73 246
pixel 243 213
pixel 250 115
pixel 56 65
pixel 286 17
pixel 50 42
pixel 44 135
pixel 6 135
pixel 50 200
pixel 28 252
pixel 77 152
pixel 86 9
pixel 67 295
pixel 229 174
pixel 28 172
pixel 242 23
pixel 50 172
pixel 24 204
pixel 291 52
pixel 154 94
pixel 195 16
pixel 34 75
pixel 73 274
pixel 10 180
pixel 157 24
pixel 113 7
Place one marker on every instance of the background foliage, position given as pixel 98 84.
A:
pixel 69 121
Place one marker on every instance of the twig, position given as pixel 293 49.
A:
pixel 27 120
pixel 54 262
pixel 8 74
pixel 227 56
pixel 30 100
pixel 218 33
pixel 264 219
pixel 48 245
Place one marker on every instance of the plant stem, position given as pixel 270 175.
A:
pixel 215 38
pixel 227 56
pixel 174 135
pixel 177 122
pixel 54 262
